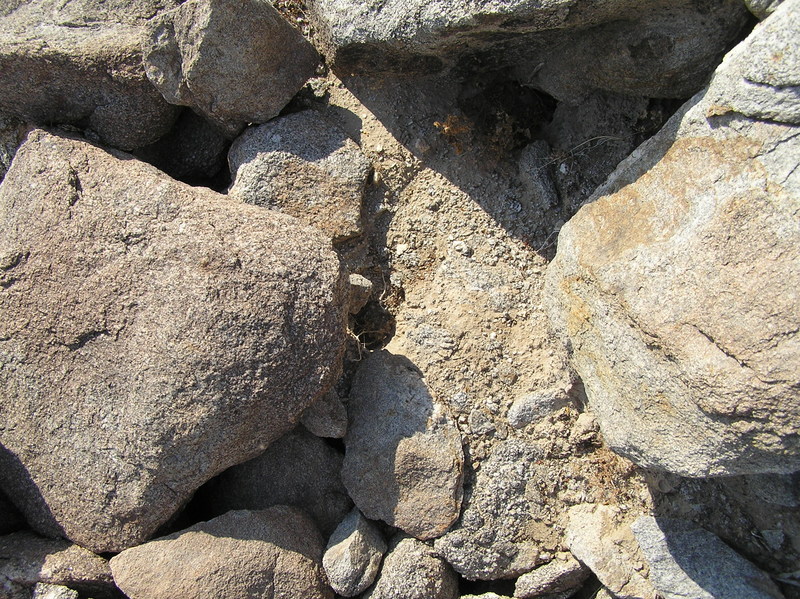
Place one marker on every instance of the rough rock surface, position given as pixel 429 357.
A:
pixel 304 166
pixel 762 8
pixel 677 287
pixel 412 570
pixel 234 61
pixel 661 49
pixel 298 469
pixel 80 63
pixel 274 553
pixel 353 556
pixel 151 335
pixel 403 461
pixel 27 559
pixel 532 407
pixel 562 574
pixel 490 539
pixel 688 561
pixel 600 541
pixel 53 591
pixel 326 417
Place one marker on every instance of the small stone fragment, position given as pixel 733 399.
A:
pixel 403 461
pixel 353 556
pixel 305 166
pixel 564 573
pixel 326 417
pixel 412 570
pixel 532 407
pixel 360 290
pixel 52 591
pixel 271 553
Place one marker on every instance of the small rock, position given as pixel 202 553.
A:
pixel 360 290
pixel 412 570
pixel 326 417
pixel 532 407
pixel 584 430
pixel 403 461
pixel 462 248
pixel 564 573
pixel 353 556
pixel 233 61
pixel 271 553
pixel 53 591
pixel 27 559
pixel 305 166
pixel 609 549
pixel 762 8
pixel 688 561
pixel 298 469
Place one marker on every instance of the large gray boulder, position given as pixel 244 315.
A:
pixel 80 63
pixel 233 61
pixel 403 458
pixel 676 288
pixel 298 469
pixel 688 561
pixel 302 165
pixel 269 554
pixel 650 47
pixel 153 334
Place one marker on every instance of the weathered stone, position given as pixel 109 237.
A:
pixel 326 417
pixel 403 461
pixel 151 335
pixel 302 165
pixel 762 8
pixel 298 469
pixel 27 559
pixel 274 553
pixel 532 407
pixel 233 61
pixel 655 48
pixel 193 151
pixel 677 287
pixel 562 574
pixel 360 291
pixel 412 570
pixel 688 561
pixel 490 539
pixel 53 591
pixel 353 556
pixel 80 63
pixel 607 546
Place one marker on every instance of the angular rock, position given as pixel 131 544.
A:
pixel 298 469
pixel 688 561
pixel 762 8
pixel 80 63
pixel 326 417
pixel 532 407
pixel 490 541
pixel 677 287
pixel 27 559
pixel 304 166
pixel 53 591
pixel 233 61
pixel 412 570
pixel 360 291
pixel 353 556
pixel 271 553
pixel 656 48
pixel 403 461
pixel 151 335
pixel 606 546
pixel 562 574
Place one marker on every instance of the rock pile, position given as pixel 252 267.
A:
pixel 423 300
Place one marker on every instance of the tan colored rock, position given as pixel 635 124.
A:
pixel 677 287
pixel 563 574
pixel 403 461
pixel 153 335
pixel 269 554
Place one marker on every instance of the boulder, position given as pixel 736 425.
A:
pixel 152 335
pixel 403 458
pixel 604 543
pixel 353 556
pixel 274 553
pixel 412 570
pixel 304 166
pixel 562 575
pixel 80 63
pixel 326 417
pixel 688 561
pixel 27 559
pixel 490 540
pixel 650 48
pixel 298 469
pixel 233 61
pixel 676 287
